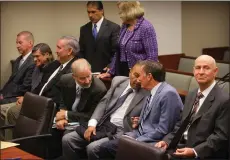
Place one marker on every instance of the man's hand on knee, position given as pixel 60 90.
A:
pixel 90 130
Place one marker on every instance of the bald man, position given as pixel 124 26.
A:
pixel 80 94
pixel 204 124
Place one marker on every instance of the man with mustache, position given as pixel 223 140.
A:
pixel 123 101
pixel 80 93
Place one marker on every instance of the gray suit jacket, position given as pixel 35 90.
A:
pixel 20 80
pixel 208 133
pixel 88 101
pixel 160 120
pixel 99 52
pixel 118 85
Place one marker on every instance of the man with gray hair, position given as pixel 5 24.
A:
pixel 67 49
pixel 80 93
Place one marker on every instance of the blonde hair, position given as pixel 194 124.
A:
pixel 130 10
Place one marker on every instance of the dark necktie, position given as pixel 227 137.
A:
pixel 60 69
pixel 145 113
pixel 77 99
pixel 119 103
pixel 186 123
pixel 95 31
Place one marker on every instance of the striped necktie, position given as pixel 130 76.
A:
pixel 145 113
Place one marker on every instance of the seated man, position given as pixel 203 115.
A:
pixel 123 101
pixel 20 80
pixel 160 113
pixel 205 117
pixel 43 57
pixel 67 49
pixel 80 94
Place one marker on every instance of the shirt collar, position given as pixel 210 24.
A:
pixel 26 56
pixel 78 86
pixel 64 64
pixel 207 90
pixel 154 89
pixel 99 23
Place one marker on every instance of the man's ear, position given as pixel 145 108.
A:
pixel 70 51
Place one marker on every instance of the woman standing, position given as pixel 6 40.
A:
pixel 137 40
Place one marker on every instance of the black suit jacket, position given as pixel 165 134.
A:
pixel 99 52
pixel 88 101
pixel 47 72
pixel 208 133
pixel 20 80
pixel 50 90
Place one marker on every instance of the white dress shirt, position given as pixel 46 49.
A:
pixel 24 58
pixel 53 75
pixel 117 117
pixel 98 24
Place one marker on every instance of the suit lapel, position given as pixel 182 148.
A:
pixel 56 78
pixel 191 101
pixel 102 30
pixel 117 94
pixel 155 98
pixel 206 104
pixel 136 99
pixel 84 97
pixel 24 65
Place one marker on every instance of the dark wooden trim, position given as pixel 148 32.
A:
pixel 216 52
pixel 170 61
pixel 217 61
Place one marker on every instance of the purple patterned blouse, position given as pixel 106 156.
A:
pixel 139 44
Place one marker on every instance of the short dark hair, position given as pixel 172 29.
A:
pixel 156 69
pixel 98 4
pixel 44 48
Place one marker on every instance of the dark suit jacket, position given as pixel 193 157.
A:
pixel 20 80
pixel 208 133
pixel 107 103
pixel 99 52
pixel 47 72
pixel 51 90
pixel 88 101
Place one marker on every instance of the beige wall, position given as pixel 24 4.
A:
pixel 204 25
pixel 50 20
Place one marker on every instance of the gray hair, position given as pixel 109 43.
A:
pixel 28 35
pixel 79 65
pixel 73 43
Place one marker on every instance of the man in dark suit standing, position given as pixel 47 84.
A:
pixel 98 38
pixel 20 80
pixel 204 121
pixel 80 92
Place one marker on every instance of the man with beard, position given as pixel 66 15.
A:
pixel 123 101
pixel 80 93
